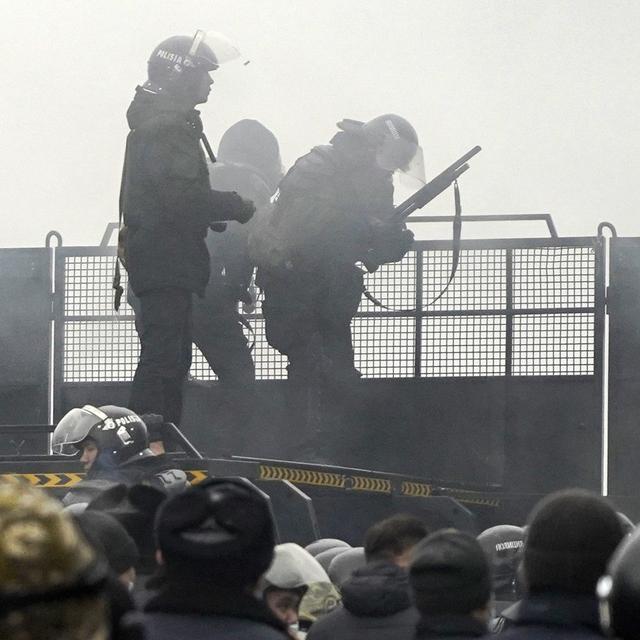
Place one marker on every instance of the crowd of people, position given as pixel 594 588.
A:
pixel 137 563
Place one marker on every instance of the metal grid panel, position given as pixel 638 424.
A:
pixel 554 277
pixel 468 340
pixel 553 344
pixel 393 284
pixel 454 346
pixel 88 290
pixel 480 283
pixel 384 347
pixel 270 364
pixel 100 351
pixel 200 369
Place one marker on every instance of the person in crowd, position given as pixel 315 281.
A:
pixel 111 539
pixel 135 508
pixel 570 538
pixel 451 583
pixel 167 206
pixel 51 582
pixel 376 601
pixel 114 448
pixel 333 210
pixel 322 544
pixel 326 557
pixel 619 591
pixel 503 546
pixel 215 541
pixel 290 576
pixel 249 163
pixel 343 565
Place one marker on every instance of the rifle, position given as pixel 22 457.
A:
pixel 433 188
pixel 425 195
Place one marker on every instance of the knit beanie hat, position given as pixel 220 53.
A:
pixel 220 529
pixel 449 574
pixel 570 538
pixel 110 538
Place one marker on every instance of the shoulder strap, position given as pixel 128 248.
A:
pixel 116 284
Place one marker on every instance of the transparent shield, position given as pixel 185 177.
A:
pixel 72 430
pixel 223 48
pixel 413 175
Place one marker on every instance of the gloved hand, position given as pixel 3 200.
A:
pixel 230 206
pixel 245 211
pixel 390 243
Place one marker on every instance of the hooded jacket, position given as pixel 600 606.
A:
pixel 166 199
pixel 375 605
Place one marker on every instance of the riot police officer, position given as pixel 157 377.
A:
pixel 167 205
pixel 333 210
pixel 248 162
pixel 114 448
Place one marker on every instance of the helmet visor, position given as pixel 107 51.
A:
pixel 72 430
pixel 212 49
pixel 398 154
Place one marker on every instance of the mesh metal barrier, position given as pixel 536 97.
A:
pixel 515 307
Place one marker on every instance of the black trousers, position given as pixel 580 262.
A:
pixel 308 318
pixel 163 322
pixel 218 333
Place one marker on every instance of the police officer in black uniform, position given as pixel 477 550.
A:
pixel 333 210
pixel 168 206
pixel 113 445
pixel 248 162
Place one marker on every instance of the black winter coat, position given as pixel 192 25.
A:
pixel 449 627
pixel 166 198
pixel 551 616
pixel 334 205
pixel 376 605
pixel 203 612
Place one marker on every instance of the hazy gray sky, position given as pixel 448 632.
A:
pixel 548 88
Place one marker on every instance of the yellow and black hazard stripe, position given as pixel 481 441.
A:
pixel 365 483
pixel 471 497
pixel 416 489
pixel 195 476
pixel 303 476
pixel 48 480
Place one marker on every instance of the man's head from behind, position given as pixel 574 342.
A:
pixel 393 539
pixel 450 574
pixel 570 538
pixel 220 530
pixel 49 576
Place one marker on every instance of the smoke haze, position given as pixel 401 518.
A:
pixel 547 88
